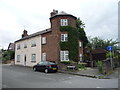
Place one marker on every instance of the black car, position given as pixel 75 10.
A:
pixel 45 67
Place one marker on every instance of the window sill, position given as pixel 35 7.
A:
pixel 33 61
pixel 64 41
pixel 33 46
pixel 18 61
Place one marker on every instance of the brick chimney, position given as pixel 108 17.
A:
pixel 24 33
pixel 54 12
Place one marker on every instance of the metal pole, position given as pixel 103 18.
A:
pixel 111 59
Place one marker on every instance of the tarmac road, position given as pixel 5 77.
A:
pixel 24 77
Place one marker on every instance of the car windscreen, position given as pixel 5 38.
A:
pixel 45 63
pixel 51 63
pixel 41 63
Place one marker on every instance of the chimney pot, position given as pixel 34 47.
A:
pixel 54 12
pixel 24 33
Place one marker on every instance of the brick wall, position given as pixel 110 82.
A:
pixel 52 47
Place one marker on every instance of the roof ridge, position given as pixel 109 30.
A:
pixel 35 34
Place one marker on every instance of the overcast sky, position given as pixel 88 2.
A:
pixel 100 17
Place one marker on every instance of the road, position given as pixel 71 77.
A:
pixel 24 77
pixel 0 76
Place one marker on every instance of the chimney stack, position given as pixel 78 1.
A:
pixel 54 12
pixel 24 33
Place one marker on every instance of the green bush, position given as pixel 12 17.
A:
pixel 81 66
pixel 66 62
pixel 100 66
pixel 108 55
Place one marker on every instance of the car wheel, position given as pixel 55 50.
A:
pixel 34 69
pixel 46 70
pixel 55 71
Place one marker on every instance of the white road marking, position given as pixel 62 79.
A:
pixel 98 87
pixel 69 77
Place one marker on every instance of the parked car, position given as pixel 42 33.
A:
pixel 45 66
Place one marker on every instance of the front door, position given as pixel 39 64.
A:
pixel 25 60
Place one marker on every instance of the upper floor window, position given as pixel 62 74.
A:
pixel 64 22
pixel 33 43
pixel 18 46
pixel 25 45
pixel 43 40
pixel 64 37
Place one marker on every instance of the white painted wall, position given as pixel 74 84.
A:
pixel 28 51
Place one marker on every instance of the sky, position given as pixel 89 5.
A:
pixel 100 17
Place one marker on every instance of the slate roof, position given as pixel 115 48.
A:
pixel 35 34
pixel 62 13
pixel 11 46
pixel 96 51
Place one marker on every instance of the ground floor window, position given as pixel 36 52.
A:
pixel 18 58
pixel 43 56
pixel 33 57
pixel 81 59
pixel 64 55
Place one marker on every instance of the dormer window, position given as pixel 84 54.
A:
pixel 64 22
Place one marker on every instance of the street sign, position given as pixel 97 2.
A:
pixel 109 48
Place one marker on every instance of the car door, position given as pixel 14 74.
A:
pixel 39 66
pixel 43 66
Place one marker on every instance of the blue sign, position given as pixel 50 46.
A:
pixel 109 48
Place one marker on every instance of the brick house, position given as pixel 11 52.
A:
pixel 44 45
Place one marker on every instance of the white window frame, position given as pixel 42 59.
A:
pixel 80 44
pixel 18 46
pixel 25 45
pixel 64 22
pixel 43 56
pixel 33 57
pixel 43 40
pixel 64 37
pixel 18 58
pixel 81 59
pixel 64 55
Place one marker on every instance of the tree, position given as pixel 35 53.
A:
pixel 8 55
pixel 82 35
pixel 97 42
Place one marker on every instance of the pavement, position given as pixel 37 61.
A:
pixel 93 73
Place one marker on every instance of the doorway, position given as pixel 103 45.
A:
pixel 25 60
